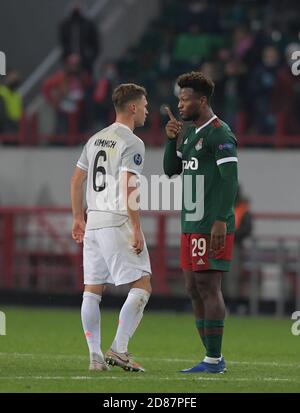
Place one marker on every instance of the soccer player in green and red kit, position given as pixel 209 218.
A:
pixel 208 159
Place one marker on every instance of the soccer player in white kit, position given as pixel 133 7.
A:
pixel 114 248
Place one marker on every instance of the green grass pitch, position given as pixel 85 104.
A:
pixel 44 350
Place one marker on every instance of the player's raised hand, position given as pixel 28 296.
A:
pixel 78 230
pixel 174 126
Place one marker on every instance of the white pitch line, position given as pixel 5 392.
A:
pixel 252 363
pixel 163 360
pixel 54 356
pixel 222 379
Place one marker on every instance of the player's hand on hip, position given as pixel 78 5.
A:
pixel 218 236
pixel 173 127
pixel 137 241
pixel 78 230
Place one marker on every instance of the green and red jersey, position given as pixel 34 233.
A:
pixel 207 157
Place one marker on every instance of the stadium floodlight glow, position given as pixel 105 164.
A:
pixel 2 324
pixel 2 64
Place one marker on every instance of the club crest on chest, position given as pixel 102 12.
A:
pixel 198 145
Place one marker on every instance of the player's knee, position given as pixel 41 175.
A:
pixel 207 290
pixel 204 294
pixel 203 288
pixel 148 288
pixel 95 289
pixel 192 291
pixel 143 283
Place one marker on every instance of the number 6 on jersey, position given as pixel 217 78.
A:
pixel 99 169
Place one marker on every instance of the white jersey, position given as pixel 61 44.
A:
pixel 105 155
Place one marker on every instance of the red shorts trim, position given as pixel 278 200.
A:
pixel 195 255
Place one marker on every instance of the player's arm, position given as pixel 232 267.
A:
pixel 132 161
pixel 229 175
pixel 132 198
pixel 172 158
pixel 77 182
pixel 226 159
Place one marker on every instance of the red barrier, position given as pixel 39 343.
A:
pixel 29 134
pixel 37 252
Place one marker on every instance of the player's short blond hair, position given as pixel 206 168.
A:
pixel 125 93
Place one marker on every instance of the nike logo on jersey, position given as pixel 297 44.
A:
pixel 185 142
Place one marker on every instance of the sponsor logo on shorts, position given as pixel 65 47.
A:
pixel 200 262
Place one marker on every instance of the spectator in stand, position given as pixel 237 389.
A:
pixel 109 79
pixel 235 96
pixel 11 105
pixel 203 14
pixel 195 47
pixel 242 43
pixel 65 90
pixel 212 70
pixel 262 82
pixel 79 35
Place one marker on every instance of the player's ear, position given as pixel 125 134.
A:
pixel 203 100
pixel 133 108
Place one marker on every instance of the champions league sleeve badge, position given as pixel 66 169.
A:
pixel 137 159
pixel 226 146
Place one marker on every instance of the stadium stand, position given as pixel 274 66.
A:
pixel 247 51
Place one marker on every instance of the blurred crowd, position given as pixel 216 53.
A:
pixel 11 104
pixel 246 47
pixel 80 96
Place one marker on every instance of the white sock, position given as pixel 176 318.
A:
pixel 129 319
pixel 212 360
pixel 90 317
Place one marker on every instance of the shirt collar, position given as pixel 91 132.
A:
pixel 205 124
pixel 122 124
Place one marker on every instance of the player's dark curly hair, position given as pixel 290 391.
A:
pixel 199 82
pixel 126 93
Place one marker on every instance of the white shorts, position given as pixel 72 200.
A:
pixel 109 259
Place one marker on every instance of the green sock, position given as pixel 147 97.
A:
pixel 213 337
pixel 201 331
